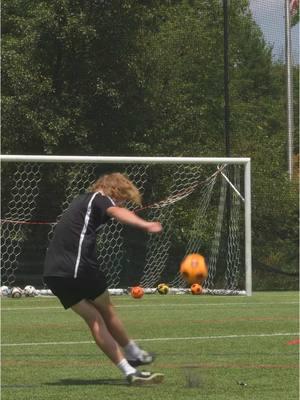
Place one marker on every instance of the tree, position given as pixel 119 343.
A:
pixel 69 86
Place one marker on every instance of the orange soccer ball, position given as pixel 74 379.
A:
pixel 193 268
pixel 196 288
pixel 137 292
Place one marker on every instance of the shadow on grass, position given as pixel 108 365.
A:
pixel 192 377
pixel 17 386
pixel 83 382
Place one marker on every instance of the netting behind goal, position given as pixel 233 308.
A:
pixel 200 206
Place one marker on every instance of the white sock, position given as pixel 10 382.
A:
pixel 126 368
pixel 132 350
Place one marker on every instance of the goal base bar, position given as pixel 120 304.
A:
pixel 119 292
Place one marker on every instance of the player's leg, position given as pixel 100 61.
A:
pixel 102 336
pixel 113 322
pixel 133 353
pixel 110 347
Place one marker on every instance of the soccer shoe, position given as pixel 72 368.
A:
pixel 144 378
pixel 143 359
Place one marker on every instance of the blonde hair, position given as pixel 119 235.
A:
pixel 118 187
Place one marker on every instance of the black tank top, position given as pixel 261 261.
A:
pixel 72 251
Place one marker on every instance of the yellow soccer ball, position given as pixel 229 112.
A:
pixel 162 288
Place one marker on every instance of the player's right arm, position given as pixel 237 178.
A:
pixel 128 217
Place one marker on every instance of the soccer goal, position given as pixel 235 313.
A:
pixel 204 205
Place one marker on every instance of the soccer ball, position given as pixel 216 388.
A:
pixel 196 288
pixel 193 268
pixel 29 291
pixel 137 292
pixel 16 292
pixel 162 288
pixel 4 291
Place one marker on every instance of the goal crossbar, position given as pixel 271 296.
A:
pixel 124 160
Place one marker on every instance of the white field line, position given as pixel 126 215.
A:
pixel 155 305
pixel 162 339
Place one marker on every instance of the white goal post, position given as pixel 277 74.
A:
pixel 190 195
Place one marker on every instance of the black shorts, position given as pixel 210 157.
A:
pixel 71 291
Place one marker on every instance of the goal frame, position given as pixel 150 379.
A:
pixel 166 160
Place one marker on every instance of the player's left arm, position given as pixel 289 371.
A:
pixel 128 217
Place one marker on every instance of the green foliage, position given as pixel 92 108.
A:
pixel 146 78
pixel 69 84
pixel 181 72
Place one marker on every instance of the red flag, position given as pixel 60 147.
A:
pixel 294 5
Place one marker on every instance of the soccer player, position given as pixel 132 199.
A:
pixel 71 270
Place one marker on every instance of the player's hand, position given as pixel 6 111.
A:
pixel 154 227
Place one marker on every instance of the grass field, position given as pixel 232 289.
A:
pixel 208 348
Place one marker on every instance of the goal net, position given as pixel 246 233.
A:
pixel 203 205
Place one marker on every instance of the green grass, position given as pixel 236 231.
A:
pixel 216 348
